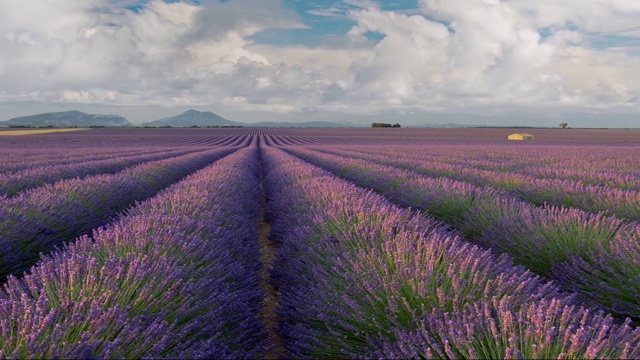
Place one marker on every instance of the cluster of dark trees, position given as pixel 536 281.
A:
pixel 376 125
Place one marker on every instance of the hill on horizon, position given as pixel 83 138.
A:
pixel 189 118
pixel 72 118
pixel 193 118
pixel 208 118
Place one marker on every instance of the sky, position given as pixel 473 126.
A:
pixel 474 62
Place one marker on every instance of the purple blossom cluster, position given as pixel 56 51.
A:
pixel 22 158
pixel 15 182
pixel 175 278
pixel 276 138
pixel 170 258
pixel 39 219
pixel 548 329
pixel 360 277
pixel 591 254
pixel 623 203
pixel 609 165
pixel 110 140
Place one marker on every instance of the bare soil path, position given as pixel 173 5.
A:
pixel 268 256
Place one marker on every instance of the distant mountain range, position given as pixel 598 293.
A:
pixel 67 119
pixel 186 119
pixel 207 118
pixel 193 118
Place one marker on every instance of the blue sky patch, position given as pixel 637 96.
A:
pixel 325 20
pixel 614 41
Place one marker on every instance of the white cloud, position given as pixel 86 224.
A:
pixel 609 16
pixel 484 57
pixel 409 59
pixel 81 50
pixel 328 12
pixel 333 63
pixel 365 4
pixel 446 55
pixel 495 53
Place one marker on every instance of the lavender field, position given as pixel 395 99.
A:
pixel 307 243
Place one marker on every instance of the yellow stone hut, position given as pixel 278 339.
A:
pixel 521 136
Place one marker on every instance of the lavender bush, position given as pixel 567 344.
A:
pixel 544 239
pixel 359 276
pixel 178 282
pixel 624 204
pixel 548 329
pixel 41 218
pixel 181 275
pixel 614 166
pixel 24 158
pixel 13 183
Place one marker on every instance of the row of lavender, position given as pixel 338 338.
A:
pixel 174 278
pixel 15 182
pixel 107 139
pixel 39 219
pixel 593 255
pixel 360 277
pixel 24 159
pixel 615 166
pixel 21 158
pixel 273 138
pixel 177 277
pixel 23 163
pixel 612 201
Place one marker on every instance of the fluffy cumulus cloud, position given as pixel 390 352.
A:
pixel 484 53
pixel 148 53
pixel 444 55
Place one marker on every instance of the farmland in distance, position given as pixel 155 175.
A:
pixel 298 243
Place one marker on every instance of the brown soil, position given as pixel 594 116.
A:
pixel 268 256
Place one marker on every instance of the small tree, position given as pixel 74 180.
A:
pixel 563 125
